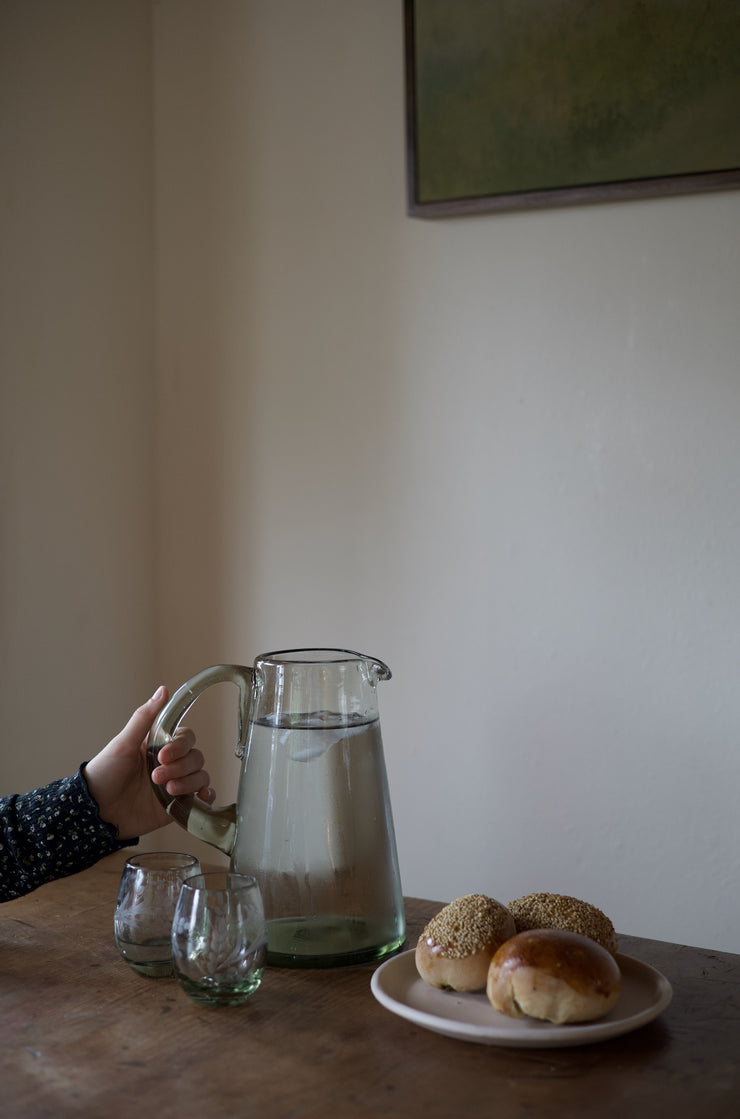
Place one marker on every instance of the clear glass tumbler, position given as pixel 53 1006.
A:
pixel 219 938
pixel 147 897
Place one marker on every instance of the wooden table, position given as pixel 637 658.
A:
pixel 81 1034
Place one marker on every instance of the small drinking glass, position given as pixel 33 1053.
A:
pixel 147 896
pixel 219 938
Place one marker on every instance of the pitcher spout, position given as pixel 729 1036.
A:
pixel 377 670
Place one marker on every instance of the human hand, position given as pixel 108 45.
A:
pixel 118 777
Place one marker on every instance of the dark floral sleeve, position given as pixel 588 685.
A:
pixel 50 833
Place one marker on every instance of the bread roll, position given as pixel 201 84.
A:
pixel 553 975
pixel 558 911
pixel 455 949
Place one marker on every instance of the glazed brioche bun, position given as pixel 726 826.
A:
pixel 455 949
pixel 558 911
pixel 553 975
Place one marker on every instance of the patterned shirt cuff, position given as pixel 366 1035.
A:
pixel 50 833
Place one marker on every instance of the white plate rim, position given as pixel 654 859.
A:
pixel 511 1032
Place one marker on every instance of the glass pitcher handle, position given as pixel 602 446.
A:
pixel 216 826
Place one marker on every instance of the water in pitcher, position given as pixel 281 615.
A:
pixel 316 831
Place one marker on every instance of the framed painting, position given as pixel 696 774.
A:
pixel 513 104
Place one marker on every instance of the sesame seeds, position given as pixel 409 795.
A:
pixel 558 911
pixel 469 924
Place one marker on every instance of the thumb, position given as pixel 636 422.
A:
pixel 141 721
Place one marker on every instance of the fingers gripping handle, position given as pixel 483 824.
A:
pixel 216 826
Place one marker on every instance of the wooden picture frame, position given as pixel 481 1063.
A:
pixel 516 104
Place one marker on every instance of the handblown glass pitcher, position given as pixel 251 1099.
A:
pixel 313 819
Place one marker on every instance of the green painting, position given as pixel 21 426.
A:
pixel 534 101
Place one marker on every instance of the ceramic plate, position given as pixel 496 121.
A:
pixel 470 1017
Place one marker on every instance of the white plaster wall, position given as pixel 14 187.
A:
pixel 76 379
pixel 499 452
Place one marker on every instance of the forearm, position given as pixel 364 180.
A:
pixel 49 833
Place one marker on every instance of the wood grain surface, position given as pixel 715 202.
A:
pixel 81 1034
